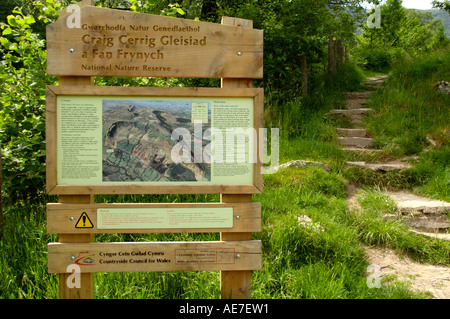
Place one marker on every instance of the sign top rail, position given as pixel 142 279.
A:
pixel 94 41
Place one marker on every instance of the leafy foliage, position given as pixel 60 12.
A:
pixel 22 115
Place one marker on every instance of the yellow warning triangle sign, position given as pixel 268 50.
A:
pixel 84 221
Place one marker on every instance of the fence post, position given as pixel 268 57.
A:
pixel 332 55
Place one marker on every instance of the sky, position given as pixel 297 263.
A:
pixel 416 4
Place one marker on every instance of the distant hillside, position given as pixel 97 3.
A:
pixel 435 13
pixel 443 16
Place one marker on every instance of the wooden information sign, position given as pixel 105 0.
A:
pixel 115 140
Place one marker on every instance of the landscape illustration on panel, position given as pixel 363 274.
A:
pixel 137 141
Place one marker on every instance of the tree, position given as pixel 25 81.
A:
pixel 444 5
pixel 402 33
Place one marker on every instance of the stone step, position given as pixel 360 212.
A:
pixel 422 213
pixel 358 111
pixel 352 132
pixel 355 104
pixel 383 167
pixel 361 142
pixel 408 202
pixel 357 95
pixel 362 150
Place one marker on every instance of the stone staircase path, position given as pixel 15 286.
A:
pixel 356 137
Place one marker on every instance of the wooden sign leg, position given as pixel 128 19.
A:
pixel 86 282
pixel 236 284
pixel 86 287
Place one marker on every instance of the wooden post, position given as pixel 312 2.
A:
pixel 339 53
pixel 332 55
pixel 86 290
pixel 236 284
pixel 304 71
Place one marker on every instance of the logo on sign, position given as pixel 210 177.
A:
pixel 84 258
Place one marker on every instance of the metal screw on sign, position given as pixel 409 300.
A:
pixel 238 256
pixel 239 53
pixel 72 50
pixel 237 217
pixel 73 257
pixel 71 218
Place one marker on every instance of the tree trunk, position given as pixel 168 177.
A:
pixel 339 53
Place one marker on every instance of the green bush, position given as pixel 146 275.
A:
pixel 22 115
pixel 374 59
pixel 347 78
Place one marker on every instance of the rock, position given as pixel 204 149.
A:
pixel 384 167
pixel 300 163
pixel 442 87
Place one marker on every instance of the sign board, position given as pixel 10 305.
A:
pixel 108 42
pixel 155 256
pixel 144 140
pixel 131 140
pixel 153 218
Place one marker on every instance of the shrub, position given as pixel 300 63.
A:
pixel 22 116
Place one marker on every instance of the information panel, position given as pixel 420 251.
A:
pixel 151 218
pixel 107 139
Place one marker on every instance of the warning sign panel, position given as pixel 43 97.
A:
pixel 84 221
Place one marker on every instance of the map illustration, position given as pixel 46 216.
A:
pixel 137 141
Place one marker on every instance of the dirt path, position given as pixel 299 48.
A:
pixel 423 277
